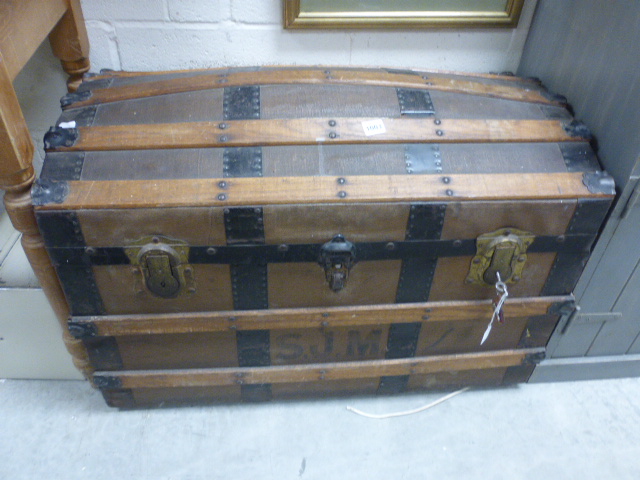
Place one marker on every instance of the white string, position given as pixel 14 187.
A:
pixel 408 412
pixel 501 288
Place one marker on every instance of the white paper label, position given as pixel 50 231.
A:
pixel 373 127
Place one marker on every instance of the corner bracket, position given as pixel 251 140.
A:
pixel 71 98
pixel 82 330
pixel 106 381
pixel 578 129
pixel 46 191
pixel 599 182
pixel 60 137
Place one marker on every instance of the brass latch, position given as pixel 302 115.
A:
pixel 503 251
pixel 337 257
pixel 162 263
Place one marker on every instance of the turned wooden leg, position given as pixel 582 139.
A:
pixel 16 177
pixel 70 44
pixel 18 203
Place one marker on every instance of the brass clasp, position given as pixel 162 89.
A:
pixel 163 263
pixel 503 251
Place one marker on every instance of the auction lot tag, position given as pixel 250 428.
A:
pixel 373 127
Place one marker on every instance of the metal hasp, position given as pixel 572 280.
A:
pixel 162 263
pixel 337 257
pixel 503 251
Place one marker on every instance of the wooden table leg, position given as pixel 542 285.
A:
pixel 70 43
pixel 16 177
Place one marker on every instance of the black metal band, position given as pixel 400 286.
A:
pixel 257 254
pixel 398 71
pixel 416 275
pixel 425 224
pixel 244 226
pixel 60 229
pixel 568 265
pixel 426 221
pixel 401 343
pixel 565 273
pixel 254 351
pixel 121 398
pixel 579 157
pixel 241 103
pixel 245 229
pixel 415 102
pixel 589 216
pixel 62 166
pixel 80 289
pixel 390 385
pixel 249 285
pixel 422 158
pixel 242 162
pixel 104 353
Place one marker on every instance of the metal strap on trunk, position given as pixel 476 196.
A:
pixel 425 223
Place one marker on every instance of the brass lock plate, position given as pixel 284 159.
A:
pixel 160 266
pixel 501 252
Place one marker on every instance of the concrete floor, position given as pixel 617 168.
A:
pixel 583 430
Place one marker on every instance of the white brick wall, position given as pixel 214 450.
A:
pixel 173 34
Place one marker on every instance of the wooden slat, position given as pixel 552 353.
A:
pixel 317 372
pixel 125 194
pixel 226 70
pixel 117 325
pixel 336 76
pixel 312 131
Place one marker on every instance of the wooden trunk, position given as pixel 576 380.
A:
pixel 248 233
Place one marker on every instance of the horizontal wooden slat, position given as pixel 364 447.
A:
pixel 312 131
pixel 326 76
pixel 226 70
pixel 125 194
pixel 314 372
pixel 117 325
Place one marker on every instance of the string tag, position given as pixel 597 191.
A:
pixel 501 296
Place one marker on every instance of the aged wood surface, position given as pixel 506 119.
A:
pixel 369 283
pixel 121 291
pixel 16 149
pixel 24 24
pixel 335 76
pixel 312 131
pixel 315 372
pixel 70 43
pixel 197 350
pixel 449 279
pixel 20 211
pixel 116 325
pixel 326 190
pixel 223 70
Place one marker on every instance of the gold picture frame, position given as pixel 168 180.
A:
pixel 343 14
